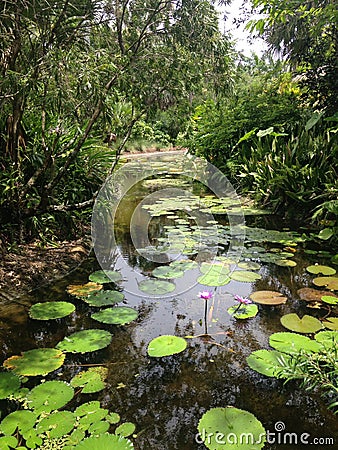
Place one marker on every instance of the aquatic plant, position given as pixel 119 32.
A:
pixel 244 310
pixel 166 345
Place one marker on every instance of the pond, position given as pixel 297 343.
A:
pixel 182 216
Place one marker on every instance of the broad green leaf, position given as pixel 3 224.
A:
pixel 213 278
pixel 331 323
pixel 285 263
pixel 39 361
pixel 245 276
pixel 8 442
pixel 82 290
pixel 91 380
pixel 293 343
pixel 249 265
pixel 268 298
pixel 243 311
pixel 104 442
pixel 166 345
pixel 184 264
pixel 9 384
pixel 119 315
pixel 306 324
pixel 51 310
pixel 49 396
pixel 215 268
pixel 105 276
pixel 87 408
pixel 167 272
pixel 99 427
pixel 329 339
pixel 57 424
pixel 125 429
pixel 267 362
pixel 217 425
pixel 85 341
pixel 330 282
pixel 326 234
pixel 22 420
pixel 104 298
pixel 317 268
pixel 330 299
pixel 156 287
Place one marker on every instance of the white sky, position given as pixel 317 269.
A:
pixel 240 34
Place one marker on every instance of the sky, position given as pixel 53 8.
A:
pixel 239 34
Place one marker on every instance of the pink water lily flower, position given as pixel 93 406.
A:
pixel 242 300
pixel 205 295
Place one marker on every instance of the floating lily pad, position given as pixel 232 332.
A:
pixel 49 396
pixel 243 311
pixel 22 420
pixel 125 429
pixel 215 268
pixel 39 361
pixel 293 343
pixel 285 263
pixel 105 441
pixel 311 295
pixel 331 323
pixel 104 298
pixel 330 299
pixel 267 362
pixel 330 282
pixel 329 339
pixel 306 324
pixel 57 424
pixel 184 264
pixel 87 408
pixel 166 345
pixel 167 272
pixel 91 380
pixel 116 316
pixel 214 278
pixel 51 310
pixel 9 384
pixel 82 290
pixel 85 341
pixel 245 276
pixel 249 265
pixel 8 442
pixel 317 268
pixel 105 276
pixel 268 298
pixel 156 287
pixel 218 424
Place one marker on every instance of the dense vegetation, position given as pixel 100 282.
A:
pixel 81 81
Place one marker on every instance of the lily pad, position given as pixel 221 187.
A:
pixel 224 427
pixel 329 339
pixel 104 298
pixel 116 316
pixel 39 361
pixel 215 268
pixel 85 341
pixel 82 290
pixel 249 265
pixel 311 295
pixel 8 442
pixel 293 343
pixel 125 429
pixel 105 441
pixel 167 272
pixel 285 263
pixel 331 323
pixel 51 310
pixel 156 287
pixel 317 268
pixel 166 345
pixel 9 384
pixel 57 424
pixel 267 362
pixel 22 420
pixel 214 278
pixel 306 324
pixel 49 396
pixel 330 282
pixel 268 298
pixel 330 299
pixel 184 264
pixel 105 276
pixel 243 311
pixel 245 276
pixel 91 380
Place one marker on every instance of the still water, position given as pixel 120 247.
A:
pixel 166 397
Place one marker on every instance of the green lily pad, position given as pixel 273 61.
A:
pixel 91 380
pixel 317 268
pixel 104 298
pixel 156 287
pixel 293 343
pixel 330 299
pixel 268 298
pixel 167 272
pixel 125 429
pixel 49 396
pixel 105 441
pixel 85 341
pixel 82 290
pixel 57 424
pixel 306 324
pixel 22 420
pixel 166 345
pixel 214 278
pixel 87 408
pixel 105 276
pixel 249 265
pixel 267 362
pixel 245 276
pixel 39 361
pixel 331 323
pixel 243 311
pixel 116 316
pixel 285 263
pixel 8 442
pixel 215 268
pixel 9 384
pixel 330 282
pixel 328 339
pixel 218 424
pixel 51 310
pixel 184 264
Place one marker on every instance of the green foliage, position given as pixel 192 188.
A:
pixel 39 361
pixel 166 345
pixel 85 341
